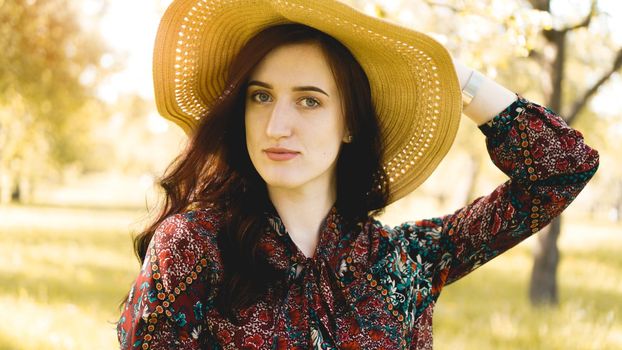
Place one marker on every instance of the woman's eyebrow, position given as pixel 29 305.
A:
pixel 297 88
pixel 310 88
pixel 259 83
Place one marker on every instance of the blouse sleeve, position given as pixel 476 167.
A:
pixel 547 163
pixel 164 307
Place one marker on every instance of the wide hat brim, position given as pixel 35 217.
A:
pixel 414 85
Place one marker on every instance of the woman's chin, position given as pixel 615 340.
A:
pixel 281 183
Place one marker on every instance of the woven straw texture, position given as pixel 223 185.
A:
pixel 414 85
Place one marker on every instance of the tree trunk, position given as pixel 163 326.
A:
pixel 543 287
pixel 5 187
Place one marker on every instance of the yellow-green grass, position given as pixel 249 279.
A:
pixel 489 308
pixel 64 271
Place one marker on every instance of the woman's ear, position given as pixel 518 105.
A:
pixel 347 138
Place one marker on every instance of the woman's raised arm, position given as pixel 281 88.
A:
pixel 547 163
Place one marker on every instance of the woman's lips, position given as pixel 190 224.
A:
pixel 280 154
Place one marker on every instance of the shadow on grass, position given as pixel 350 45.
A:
pixel 103 239
pixel 105 291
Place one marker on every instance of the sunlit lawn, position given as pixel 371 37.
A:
pixel 64 270
pixel 489 308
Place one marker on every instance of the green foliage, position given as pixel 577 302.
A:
pixel 42 96
pixel 45 52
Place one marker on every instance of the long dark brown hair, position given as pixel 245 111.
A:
pixel 215 169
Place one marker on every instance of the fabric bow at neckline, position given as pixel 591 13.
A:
pixel 283 254
pixel 315 275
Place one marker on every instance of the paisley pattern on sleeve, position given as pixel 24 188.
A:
pixel 166 304
pixel 548 164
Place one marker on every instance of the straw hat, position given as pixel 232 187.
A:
pixel 413 82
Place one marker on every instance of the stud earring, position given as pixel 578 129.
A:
pixel 348 139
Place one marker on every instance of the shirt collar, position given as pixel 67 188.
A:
pixel 280 250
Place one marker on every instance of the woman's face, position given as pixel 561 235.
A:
pixel 294 119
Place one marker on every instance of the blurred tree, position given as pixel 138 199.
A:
pixel 543 287
pixel 528 46
pixel 48 70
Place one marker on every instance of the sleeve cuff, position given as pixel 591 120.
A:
pixel 502 122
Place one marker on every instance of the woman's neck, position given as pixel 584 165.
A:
pixel 302 212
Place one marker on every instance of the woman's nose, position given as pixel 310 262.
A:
pixel 279 124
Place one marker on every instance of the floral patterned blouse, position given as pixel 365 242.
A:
pixel 370 287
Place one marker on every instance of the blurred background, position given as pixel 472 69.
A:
pixel 81 146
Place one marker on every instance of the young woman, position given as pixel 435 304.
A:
pixel 305 119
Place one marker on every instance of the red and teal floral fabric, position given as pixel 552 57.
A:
pixel 368 286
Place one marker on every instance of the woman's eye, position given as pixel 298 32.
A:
pixel 260 97
pixel 310 102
